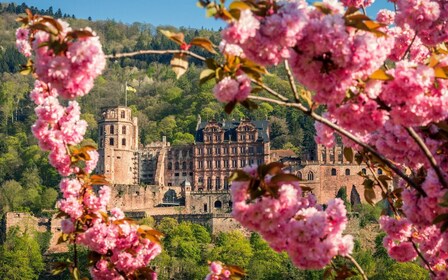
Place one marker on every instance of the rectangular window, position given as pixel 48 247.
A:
pixel 226 150
pixel 218 164
pixel 251 150
pixel 234 163
pixel 234 150
pixel 123 114
pixel 242 163
pixel 199 151
pixel 209 151
pixel 242 150
pixel 111 141
pixel 123 142
pixel 199 164
pixel 112 129
pixel 209 164
pixel 226 163
pixel 123 129
pixel 218 151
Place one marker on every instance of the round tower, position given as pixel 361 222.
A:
pixel 118 145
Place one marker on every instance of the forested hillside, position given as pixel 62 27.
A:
pixel 164 105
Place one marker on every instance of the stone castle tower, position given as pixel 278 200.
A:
pixel 118 146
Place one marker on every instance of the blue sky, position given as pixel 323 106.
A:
pixel 157 12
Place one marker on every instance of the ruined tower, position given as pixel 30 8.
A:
pixel 118 145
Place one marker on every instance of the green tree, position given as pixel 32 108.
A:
pixel 20 257
pixel 232 248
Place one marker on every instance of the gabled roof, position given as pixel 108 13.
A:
pixel 230 132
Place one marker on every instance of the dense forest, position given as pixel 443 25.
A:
pixel 164 106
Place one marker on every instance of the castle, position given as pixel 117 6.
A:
pixel 161 179
pixel 190 182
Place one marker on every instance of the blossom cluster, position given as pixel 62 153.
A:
pixel 218 272
pixel 231 90
pixel 345 60
pixel 120 244
pixel 294 222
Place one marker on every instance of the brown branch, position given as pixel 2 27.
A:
pixel 421 256
pixel 358 267
pixel 120 55
pixel 428 155
pixel 291 82
pixel 409 47
pixel 271 91
pixel 345 133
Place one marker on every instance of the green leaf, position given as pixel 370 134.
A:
pixel 206 75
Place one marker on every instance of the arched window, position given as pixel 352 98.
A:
pixel 364 171
pixel 380 171
pixel 299 175
pixel 333 172
pixel 347 171
pixel 218 204
pixel 170 165
pixel 310 176
pixel 176 166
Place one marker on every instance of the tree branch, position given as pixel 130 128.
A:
pixel 120 55
pixel 409 47
pixel 345 133
pixel 421 256
pixel 428 155
pixel 271 91
pixel 291 82
pixel 358 267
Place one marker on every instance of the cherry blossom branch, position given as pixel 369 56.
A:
pixel 358 267
pixel 120 55
pixel 345 133
pixel 271 91
pixel 421 256
pixel 409 47
pixel 291 82
pixel 428 155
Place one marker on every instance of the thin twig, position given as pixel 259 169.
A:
pixel 358 267
pixel 409 47
pixel 421 256
pixel 271 91
pixel 291 82
pixel 120 55
pixel 363 10
pixel 345 133
pixel 428 155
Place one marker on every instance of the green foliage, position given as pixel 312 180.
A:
pixel 232 248
pixel 367 213
pixel 20 257
pixel 408 271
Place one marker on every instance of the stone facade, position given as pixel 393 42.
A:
pixel 118 146
pixel 192 176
